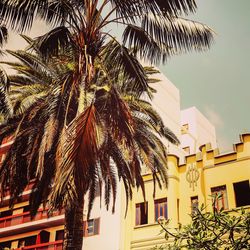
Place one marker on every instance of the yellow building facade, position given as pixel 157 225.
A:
pixel 190 184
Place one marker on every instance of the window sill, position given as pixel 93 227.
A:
pixel 146 225
pixel 238 208
pixel 229 210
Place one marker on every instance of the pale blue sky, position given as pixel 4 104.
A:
pixel 217 82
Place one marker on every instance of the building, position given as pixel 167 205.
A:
pixel 203 174
pixel 196 130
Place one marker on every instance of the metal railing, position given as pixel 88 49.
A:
pixel 56 245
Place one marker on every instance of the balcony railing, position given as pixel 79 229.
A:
pixel 17 219
pixel 56 245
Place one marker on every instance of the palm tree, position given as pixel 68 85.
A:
pixel 36 81
pixel 72 139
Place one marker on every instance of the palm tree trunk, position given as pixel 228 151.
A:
pixel 73 228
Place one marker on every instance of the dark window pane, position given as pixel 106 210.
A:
pixel 141 213
pixel 5 244
pixel 242 193
pixel 5 213
pixel 194 204
pixel 59 235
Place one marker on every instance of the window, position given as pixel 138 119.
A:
pixel 6 244
pixel 5 213
pixel 184 128
pixel 59 235
pixel 194 204
pixel 220 194
pixel 28 241
pixel 26 208
pixel 161 208
pixel 42 237
pixel 187 150
pixel 91 227
pixel 242 193
pixel 141 214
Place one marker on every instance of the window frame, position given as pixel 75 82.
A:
pixel 194 205
pixel 95 226
pixel 220 191
pixel 237 192
pixel 161 203
pixel 187 150
pixel 138 216
pixel 184 128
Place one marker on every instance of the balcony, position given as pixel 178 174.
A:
pixel 56 245
pixel 17 223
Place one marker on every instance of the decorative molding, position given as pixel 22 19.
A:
pixel 192 175
pixel 149 242
pixel 171 176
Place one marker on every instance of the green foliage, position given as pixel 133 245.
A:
pixel 210 230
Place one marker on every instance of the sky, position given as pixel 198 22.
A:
pixel 217 82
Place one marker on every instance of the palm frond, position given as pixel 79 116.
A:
pixel 119 120
pixel 5 105
pixel 4 79
pixel 12 172
pixel 3 35
pixel 133 10
pixel 19 80
pixel 137 175
pixel 179 34
pixel 32 66
pixel 24 96
pixel 43 163
pixel 159 37
pixel 145 46
pixel 50 131
pixel 145 112
pixel 121 60
pixel 110 186
pixel 76 155
pixel 14 168
pixel 94 184
pixel 63 13
pixel 176 7
pixel 55 40
pixel 123 168
pixel 20 14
